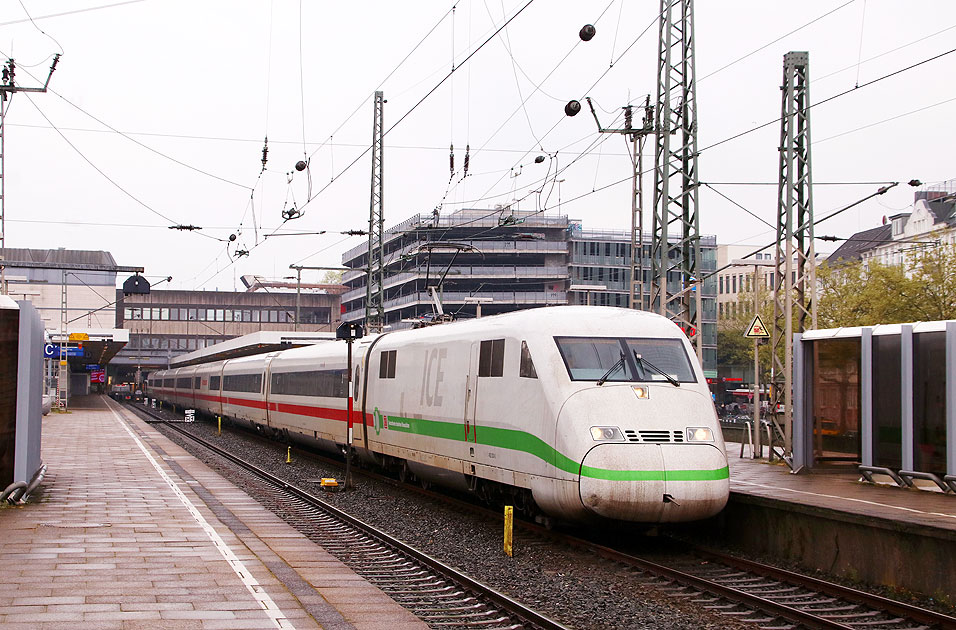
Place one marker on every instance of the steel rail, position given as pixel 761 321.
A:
pixel 914 613
pixel 507 604
pixel 750 600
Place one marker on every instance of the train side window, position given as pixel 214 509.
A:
pixel 214 383
pixel 491 357
pixel 251 383
pixel 526 369
pixel 386 367
pixel 197 382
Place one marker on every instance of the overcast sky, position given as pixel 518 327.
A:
pixel 195 86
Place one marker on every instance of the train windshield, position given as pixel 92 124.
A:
pixel 590 359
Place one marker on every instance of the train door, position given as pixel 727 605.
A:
pixel 471 394
pixel 267 388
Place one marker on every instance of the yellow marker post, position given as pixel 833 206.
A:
pixel 509 522
pixel 219 423
pixel 288 455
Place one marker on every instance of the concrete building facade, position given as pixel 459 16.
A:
pixel 931 222
pixel 167 323
pixel 507 260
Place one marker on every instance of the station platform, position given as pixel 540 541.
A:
pixel 828 519
pixel 129 531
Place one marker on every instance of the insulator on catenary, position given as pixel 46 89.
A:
pixel 451 158
pixel 467 157
pixel 265 152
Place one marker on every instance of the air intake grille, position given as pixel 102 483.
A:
pixel 654 437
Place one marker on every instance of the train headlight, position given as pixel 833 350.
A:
pixel 700 434
pixel 606 434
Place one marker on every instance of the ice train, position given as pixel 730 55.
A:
pixel 580 412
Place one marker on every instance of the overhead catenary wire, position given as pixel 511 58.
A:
pixel 771 43
pixel 53 39
pixel 127 136
pixel 418 103
pixel 830 98
pixel 73 12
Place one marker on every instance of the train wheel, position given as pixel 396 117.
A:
pixel 403 473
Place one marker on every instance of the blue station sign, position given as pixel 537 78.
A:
pixel 52 351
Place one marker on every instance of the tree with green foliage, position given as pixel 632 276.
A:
pixel 923 289
pixel 934 274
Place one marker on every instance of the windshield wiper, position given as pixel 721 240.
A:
pixel 642 361
pixel 614 368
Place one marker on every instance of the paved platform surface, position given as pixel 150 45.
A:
pixel 131 532
pixel 841 491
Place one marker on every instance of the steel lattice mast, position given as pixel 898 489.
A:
pixel 795 277
pixel 375 284
pixel 675 253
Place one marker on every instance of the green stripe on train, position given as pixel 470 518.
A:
pixel 522 441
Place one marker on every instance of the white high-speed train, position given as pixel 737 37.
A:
pixel 579 411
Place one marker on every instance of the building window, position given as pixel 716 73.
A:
pixel 491 358
pixel 735 284
pixel 720 280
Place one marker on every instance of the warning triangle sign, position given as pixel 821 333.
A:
pixel 757 329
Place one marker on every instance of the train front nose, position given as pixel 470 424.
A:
pixel 654 483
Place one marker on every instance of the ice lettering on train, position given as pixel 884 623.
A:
pixel 433 375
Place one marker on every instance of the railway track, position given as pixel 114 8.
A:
pixel 763 595
pixel 772 598
pixel 437 593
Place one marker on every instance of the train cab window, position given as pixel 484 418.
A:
pixel 526 368
pixel 653 356
pixel 386 366
pixel 214 383
pixel 619 359
pixel 491 358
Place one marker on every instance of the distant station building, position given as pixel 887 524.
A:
pixel 74 292
pixel 504 260
pixel 165 324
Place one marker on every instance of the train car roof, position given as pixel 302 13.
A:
pixel 598 321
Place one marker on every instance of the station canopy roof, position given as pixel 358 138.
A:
pixel 254 343
pixel 91 346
